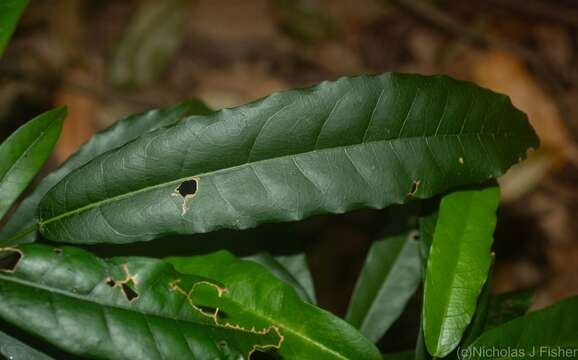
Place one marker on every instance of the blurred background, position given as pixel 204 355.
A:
pixel 106 59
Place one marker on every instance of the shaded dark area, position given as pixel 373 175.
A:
pixel 85 54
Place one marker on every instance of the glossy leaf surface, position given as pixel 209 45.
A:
pixel 545 334
pixel 141 308
pixel 308 332
pixel 24 152
pixel 10 12
pixel 118 134
pixel 390 276
pixel 458 264
pixel 368 141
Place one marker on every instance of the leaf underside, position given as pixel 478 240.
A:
pixel 368 141
pixel 390 276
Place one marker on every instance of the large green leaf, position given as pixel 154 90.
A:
pixel 24 152
pixel 368 141
pixel 551 333
pixel 10 12
pixel 308 332
pixel 508 306
pixel 14 349
pixel 390 276
pixel 292 270
pixel 118 134
pixel 141 308
pixel 458 264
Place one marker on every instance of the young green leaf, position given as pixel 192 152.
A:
pixel 10 12
pixel 254 293
pixel 141 308
pixel 24 152
pixel 457 266
pixel 508 306
pixel 292 270
pixel 550 333
pixel 118 134
pixel 390 276
pixel 11 348
pixel 368 141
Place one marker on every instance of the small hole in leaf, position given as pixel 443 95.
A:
pixel 9 259
pixel 414 188
pixel 188 188
pixel 110 282
pixel 57 251
pixel 129 292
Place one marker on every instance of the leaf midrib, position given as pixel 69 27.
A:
pixel 81 209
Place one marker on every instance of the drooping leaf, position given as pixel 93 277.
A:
pixel 545 334
pixel 293 270
pixel 508 306
pixel 24 152
pixel 141 308
pixel 152 38
pixel 10 12
pixel 368 141
pixel 390 276
pixel 118 134
pixel 14 349
pixel 308 332
pixel 457 266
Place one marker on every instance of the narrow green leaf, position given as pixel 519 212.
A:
pixel 141 308
pixel 14 349
pixel 390 276
pixel 368 141
pixel 457 266
pixel 550 333
pixel 152 38
pixel 24 152
pixel 118 134
pixel 508 306
pixel 308 332
pixel 292 270
pixel 10 12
